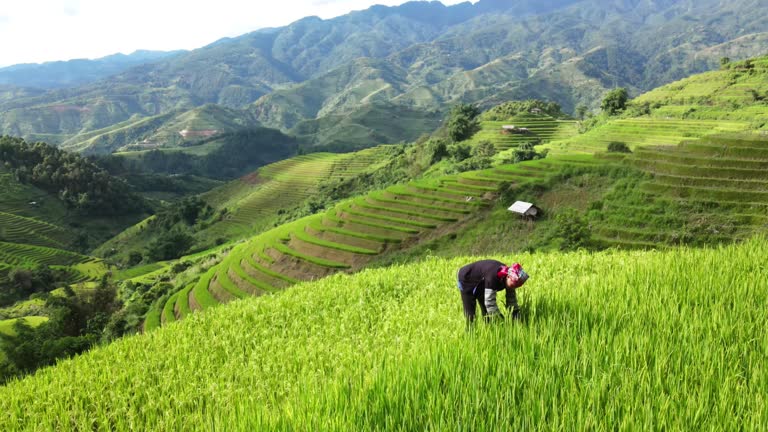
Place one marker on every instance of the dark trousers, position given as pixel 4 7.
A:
pixel 469 300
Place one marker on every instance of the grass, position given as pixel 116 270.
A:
pixel 595 350
pixel 201 293
pixel 182 302
pixel 138 271
pixel 6 326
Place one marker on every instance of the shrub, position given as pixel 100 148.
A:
pixel 618 147
pixel 571 229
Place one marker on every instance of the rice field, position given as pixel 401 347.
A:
pixel 79 267
pixel 541 128
pixel 20 229
pixel 343 238
pixel 282 185
pixel 644 131
pixel 626 340
pixel 722 179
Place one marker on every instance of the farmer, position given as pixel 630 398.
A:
pixel 479 281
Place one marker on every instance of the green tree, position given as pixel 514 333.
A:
pixel 171 244
pixel 571 229
pixel 484 149
pixel 437 150
pixel 581 111
pixel 134 258
pixel 459 152
pixel 615 101
pixel 462 122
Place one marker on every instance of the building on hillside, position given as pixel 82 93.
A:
pixel 535 110
pixel 526 210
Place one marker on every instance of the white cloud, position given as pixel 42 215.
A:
pixel 46 30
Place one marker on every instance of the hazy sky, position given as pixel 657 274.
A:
pixel 34 31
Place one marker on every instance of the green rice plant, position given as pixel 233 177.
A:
pixel 309 238
pixel 402 190
pixel 319 226
pixel 236 266
pixel 630 340
pixel 362 219
pixel 200 291
pixel 398 210
pixel 169 315
pixel 152 320
pixel 222 278
pixel 456 184
pixel 269 272
pixel 182 301
pixel 367 211
pixel 309 258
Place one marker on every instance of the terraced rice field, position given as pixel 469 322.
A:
pixel 27 201
pixel 723 180
pixel 636 132
pixel 285 184
pixel 532 171
pixel 19 229
pixel 81 268
pixel 349 235
pixel 542 129
pixel 729 88
pixel 341 239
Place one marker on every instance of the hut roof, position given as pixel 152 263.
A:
pixel 520 207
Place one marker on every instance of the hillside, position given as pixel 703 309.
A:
pixel 248 205
pixel 366 351
pixel 701 143
pixel 54 207
pixel 420 56
pixel 658 195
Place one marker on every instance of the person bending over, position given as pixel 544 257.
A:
pixel 479 282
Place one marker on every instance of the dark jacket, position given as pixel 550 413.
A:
pixel 480 279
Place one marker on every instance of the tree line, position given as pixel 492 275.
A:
pixel 77 181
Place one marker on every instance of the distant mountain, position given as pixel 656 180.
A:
pixel 58 74
pixel 395 61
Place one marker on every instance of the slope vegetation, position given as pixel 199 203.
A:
pixel 248 205
pixel 351 234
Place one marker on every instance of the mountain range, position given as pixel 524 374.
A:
pixel 328 81
pixel 70 73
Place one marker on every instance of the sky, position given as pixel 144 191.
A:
pixel 35 31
